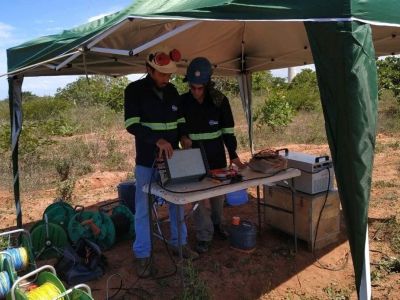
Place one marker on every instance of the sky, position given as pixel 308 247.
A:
pixel 23 20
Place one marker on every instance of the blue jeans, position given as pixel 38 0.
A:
pixel 142 243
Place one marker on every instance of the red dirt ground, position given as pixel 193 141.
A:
pixel 272 271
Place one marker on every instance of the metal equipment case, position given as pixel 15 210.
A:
pixel 316 172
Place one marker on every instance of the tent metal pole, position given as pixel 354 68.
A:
pixel 15 103
pixel 149 44
pixel 108 32
pixel 68 60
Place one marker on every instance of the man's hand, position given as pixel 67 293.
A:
pixel 237 162
pixel 165 147
pixel 186 142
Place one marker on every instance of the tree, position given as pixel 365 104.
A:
pixel 303 92
pixel 389 75
pixel 97 90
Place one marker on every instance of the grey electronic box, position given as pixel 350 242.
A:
pixel 316 172
pixel 186 165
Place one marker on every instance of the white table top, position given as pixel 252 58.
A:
pixel 184 193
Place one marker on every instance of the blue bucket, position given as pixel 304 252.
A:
pixel 237 198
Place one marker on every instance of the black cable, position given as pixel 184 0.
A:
pixel 346 257
pixel 162 235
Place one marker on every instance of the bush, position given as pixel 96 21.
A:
pixel 276 112
pixel 98 90
pixel 43 108
pixel 303 92
pixel 389 75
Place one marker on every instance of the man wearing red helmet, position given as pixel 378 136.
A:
pixel 210 125
pixel 152 115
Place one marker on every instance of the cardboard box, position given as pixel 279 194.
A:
pixel 308 208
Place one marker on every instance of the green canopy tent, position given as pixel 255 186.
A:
pixel 342 38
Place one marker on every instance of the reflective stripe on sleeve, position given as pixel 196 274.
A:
pixel 227 130
pixel 131 121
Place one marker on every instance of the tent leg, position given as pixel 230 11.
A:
pixel 244 80
pixel 344 59
pixel 15 102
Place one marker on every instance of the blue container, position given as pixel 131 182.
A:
pixel 126 194
pixel 237 198
pixel 243 236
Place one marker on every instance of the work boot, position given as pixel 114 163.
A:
pixel 220 232
pixel 202 246
pixel 145 268
pixel 187 253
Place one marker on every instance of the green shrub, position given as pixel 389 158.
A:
pixel 389 75
pixel 303 92
pixel 97 90
pixel 276 112
pixel 43 108
pixel 5 138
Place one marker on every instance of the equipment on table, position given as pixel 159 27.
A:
pixel 184 166
pixel 46 286
pixel 316 172
pixel 18 250
pixel 95 226
pixel 48 239
pixel 243 236
pixel 268 161
pixel 126 194
pixel 122 218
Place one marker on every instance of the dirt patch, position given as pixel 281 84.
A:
pixel 272 271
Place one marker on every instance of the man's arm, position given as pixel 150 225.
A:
pixel 133 115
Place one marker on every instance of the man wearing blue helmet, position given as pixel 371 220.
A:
pixel 210 125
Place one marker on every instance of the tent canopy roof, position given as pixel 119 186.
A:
pixel 248 38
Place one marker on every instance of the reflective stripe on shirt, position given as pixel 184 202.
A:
pixel 161 126
pixel 205 136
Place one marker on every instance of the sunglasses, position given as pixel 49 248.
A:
pixel 163 59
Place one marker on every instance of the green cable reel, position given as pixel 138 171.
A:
pixel 42 278
pixel 124 212
pixel 59 213
pixel 94 226
pixel 48 239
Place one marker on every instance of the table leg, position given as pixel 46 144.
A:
pixel 259 209
pixel 150 211
pixel 294 214
pixel 179 224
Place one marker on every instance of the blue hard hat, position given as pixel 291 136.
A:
pixel 199 71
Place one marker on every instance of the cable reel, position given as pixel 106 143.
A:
pixel 60 213
pixel 46 286
pixel 18 251
pixel 122 218
pixel 48 239
pixel 95 226
pixel 8 275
